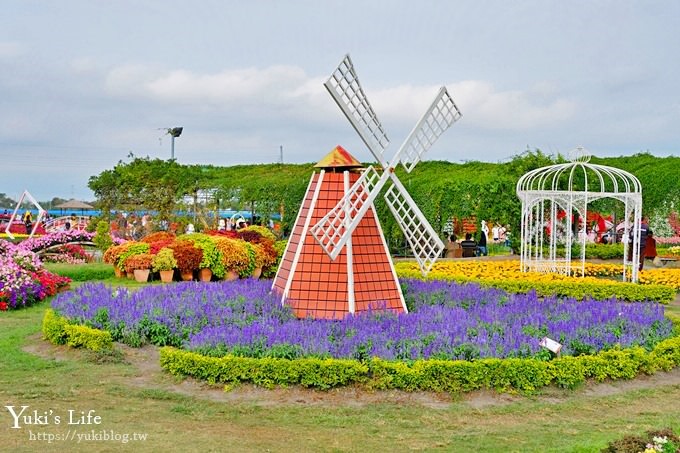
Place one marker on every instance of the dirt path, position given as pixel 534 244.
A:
pixel 149 375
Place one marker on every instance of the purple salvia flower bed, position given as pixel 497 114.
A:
pixel 447 321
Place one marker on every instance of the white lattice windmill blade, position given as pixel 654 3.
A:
pixel 421 237
pixel 335 229
pixel 442 113
pixel 343 85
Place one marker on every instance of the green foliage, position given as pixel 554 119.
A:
pixel 262 231
pixel 103 237
pixel 57 330
pixel 252 261
pixel 267 372
pixel 603 251
pixel 212 257
pixel 164 260
pixel 87 337
pixel 132 248
pixel 659 440
pixel 522 375
pixel 53 327
pixel 631 292
pixel 443 190
pixel 82 272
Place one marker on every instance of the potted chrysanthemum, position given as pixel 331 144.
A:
pixel 164 263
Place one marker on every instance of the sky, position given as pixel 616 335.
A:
pixel 84 83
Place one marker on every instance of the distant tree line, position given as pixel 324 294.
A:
pixel 442 190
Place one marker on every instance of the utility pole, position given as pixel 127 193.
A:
pixel 281 154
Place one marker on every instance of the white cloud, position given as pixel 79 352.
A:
pixel 11 49
pixel 481 104
pixel 485 107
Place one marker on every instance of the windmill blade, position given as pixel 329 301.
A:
pixel 344 87
pixel 421 237
pixel 334 230
pixel 442 113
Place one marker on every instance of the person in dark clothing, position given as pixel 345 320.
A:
pixel 650 246
pixel 481 245
pixel 645 231
pixel 469 246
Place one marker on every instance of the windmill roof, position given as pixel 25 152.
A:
pixel 339 157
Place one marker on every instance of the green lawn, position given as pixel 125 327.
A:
pixel 178 416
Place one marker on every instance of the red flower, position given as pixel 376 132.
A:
pixel 3 306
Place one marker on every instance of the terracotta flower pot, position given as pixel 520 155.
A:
pixel 230 276
pixel 256 273
pixel 141 275
pixel 204 274
pixel 130 275
pixel 186 276
pixel 166 276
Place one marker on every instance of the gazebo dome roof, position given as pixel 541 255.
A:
pixel 578 176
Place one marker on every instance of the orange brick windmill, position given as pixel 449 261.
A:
pixel 337 261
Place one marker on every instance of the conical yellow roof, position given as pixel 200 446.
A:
pixel 338 158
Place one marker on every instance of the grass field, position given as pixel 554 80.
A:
pixel 131 395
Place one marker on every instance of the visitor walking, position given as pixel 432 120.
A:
pixel 481 245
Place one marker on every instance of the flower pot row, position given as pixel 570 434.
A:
pixel 166 276
pixel 208 257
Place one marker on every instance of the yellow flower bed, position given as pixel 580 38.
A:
pixel 668 277
pixel 509 270
pixel 492 270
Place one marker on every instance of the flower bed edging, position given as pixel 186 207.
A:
pixel 505 375
pixel 520 375
pixel 57 330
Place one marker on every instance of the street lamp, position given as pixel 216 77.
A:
pixel 174 132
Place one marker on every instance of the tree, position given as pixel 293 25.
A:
pixel 6 202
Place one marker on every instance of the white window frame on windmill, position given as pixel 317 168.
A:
pixel 41 214
pixel 334 230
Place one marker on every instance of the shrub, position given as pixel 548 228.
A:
pixel 103 237
pixel 262 231
pixel 132 248
pixel 164 260
pixel 87 337
pixel 234 254
pixel 188 257
pixel 253 260
pixel 159 236
pixel 523 375
pixel 141 261
pixel 53 327
pixel 57 330
pixel 117 254
pixel 211 257
pixel 664 440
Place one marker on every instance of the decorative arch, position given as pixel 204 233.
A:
pixel 554 197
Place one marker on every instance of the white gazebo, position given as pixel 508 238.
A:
pixel 553 198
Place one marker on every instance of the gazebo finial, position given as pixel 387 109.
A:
pixel 579 154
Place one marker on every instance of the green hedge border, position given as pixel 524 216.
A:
pixel 505 375
pixel 520 375
pixel 58 330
